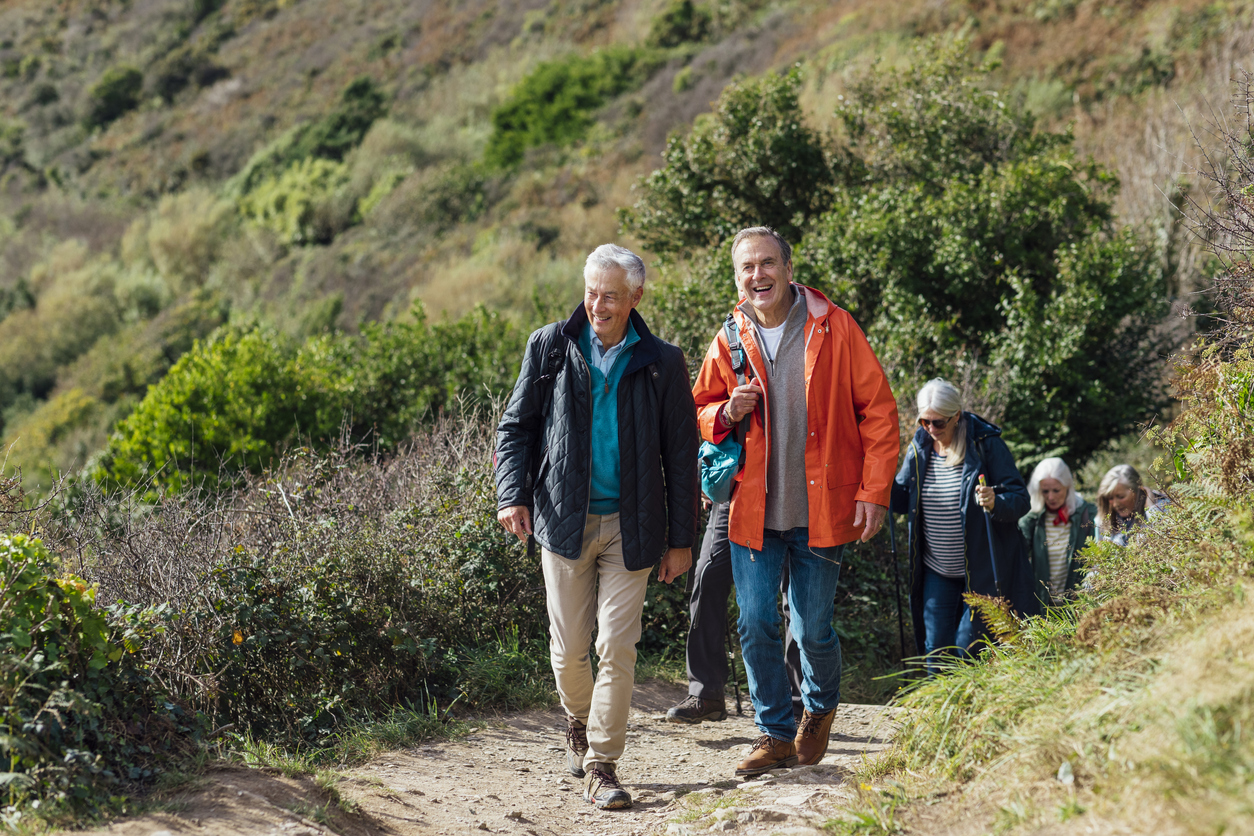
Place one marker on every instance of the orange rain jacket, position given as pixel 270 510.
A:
pixel 851 451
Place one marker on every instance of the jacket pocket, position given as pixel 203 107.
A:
pixel 844 472
pixel 543 470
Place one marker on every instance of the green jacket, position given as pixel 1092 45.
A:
pixel 1033 525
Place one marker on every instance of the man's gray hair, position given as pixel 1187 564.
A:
pixel 609 256
pixel 785 249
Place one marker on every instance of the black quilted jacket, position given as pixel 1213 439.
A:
pixel 657 444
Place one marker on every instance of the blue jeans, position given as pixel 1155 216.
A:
pixel 948 623
pixel 811 599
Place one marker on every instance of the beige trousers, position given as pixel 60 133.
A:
pixel 575 606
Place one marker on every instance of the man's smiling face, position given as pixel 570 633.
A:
pixel 608 300
pixel 762 276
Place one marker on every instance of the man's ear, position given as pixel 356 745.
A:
pixel 637 296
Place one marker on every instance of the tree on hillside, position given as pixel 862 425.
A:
pixel 966 243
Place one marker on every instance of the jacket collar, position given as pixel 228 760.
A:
pixel 645 352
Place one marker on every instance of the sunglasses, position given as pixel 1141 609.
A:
pixel 939 423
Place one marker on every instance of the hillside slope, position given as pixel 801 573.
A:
pixel 151 188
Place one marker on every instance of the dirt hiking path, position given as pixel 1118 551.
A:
pixel 509 777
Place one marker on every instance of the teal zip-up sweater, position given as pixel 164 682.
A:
pixel 606 467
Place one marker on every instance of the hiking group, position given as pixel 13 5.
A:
pixel 600 459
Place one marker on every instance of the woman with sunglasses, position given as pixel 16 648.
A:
pixel 1060 523
pixel 953 548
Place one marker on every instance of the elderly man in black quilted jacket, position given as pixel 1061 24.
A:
pixel 597 458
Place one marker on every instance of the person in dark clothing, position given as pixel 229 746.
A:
pixel 705 652
pixel 597 457
pixel 952 546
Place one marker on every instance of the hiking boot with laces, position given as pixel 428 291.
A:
pixel 694 710
pixel 601 788
pixel 767 754
pixel 812 735
pixel 576 745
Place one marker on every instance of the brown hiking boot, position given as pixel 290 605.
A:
pixel 694 710
pixel 576 745
pixel 812 737
pixel 767 754
pixel 601 788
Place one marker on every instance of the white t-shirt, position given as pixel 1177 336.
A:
pixel 770 339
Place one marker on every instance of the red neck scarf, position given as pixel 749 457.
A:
pixel 1063 518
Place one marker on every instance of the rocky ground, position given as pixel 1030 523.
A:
pixel 508 776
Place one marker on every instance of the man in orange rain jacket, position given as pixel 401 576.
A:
pixel 820 454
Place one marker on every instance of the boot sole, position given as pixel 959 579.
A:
pixel 616 804
pixel 692 721
pixel 758 770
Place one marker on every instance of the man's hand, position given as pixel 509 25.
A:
pixel 870 515
pixel 516 519
pixel 674 563
pixel 743 401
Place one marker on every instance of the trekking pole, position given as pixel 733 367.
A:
pixel 992 552
pixel 731 659
pixel 892 541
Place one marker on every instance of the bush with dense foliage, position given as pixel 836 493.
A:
pixel 555 103
pixel 80 718
pixel 117 92
pixel 966 243
pixel 681 22
pixel 335 585
pixel 233 403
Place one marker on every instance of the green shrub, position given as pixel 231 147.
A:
pixel 407 372
pixel 182 68
pixel 555 102
pixel 227 405
pixel 117 92
pixel 234 402
pixel 341 130
pixel 79 719
pixel 185 234
pixel 348 584
pixel 329 138
pixel 288 204
pixel 680 22
pixel 753 161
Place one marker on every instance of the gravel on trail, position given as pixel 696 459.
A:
pixel 509 776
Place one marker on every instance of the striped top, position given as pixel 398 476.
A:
pixel 1057 538
pixel 944 542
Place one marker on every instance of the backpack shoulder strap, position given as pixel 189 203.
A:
pixel 732 330
pixel 739 363
pixel 554 358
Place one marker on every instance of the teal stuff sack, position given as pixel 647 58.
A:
pixel 719 465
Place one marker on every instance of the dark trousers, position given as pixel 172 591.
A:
pixel 707 631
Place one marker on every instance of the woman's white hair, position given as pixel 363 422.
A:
pixel 610 256
pixel 1120 474
pixel 943 397
pixel 1053 468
